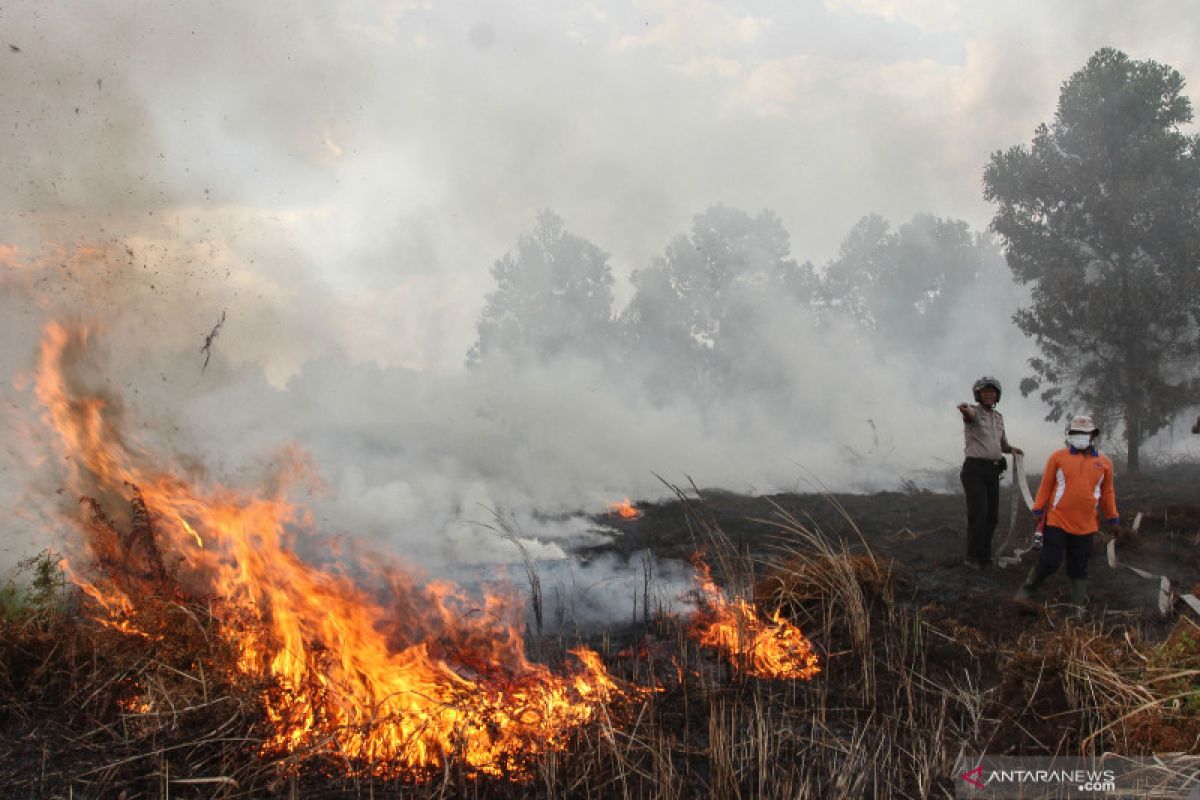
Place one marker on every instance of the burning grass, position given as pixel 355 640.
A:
pixel 623 509
pixel 194 654
pixel 391 676
pixel 761 644
pixel 443 677
pixel 93 710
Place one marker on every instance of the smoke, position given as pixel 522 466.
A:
pixel 336 178
pixel 413 460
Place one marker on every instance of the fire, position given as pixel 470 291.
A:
pixel 135 705
pixel 624 509
pixel 390 675
pixel 763 648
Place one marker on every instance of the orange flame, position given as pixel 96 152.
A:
pixel 624 509
pixel 392 676
pixel 763 648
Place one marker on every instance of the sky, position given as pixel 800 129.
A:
pixel 339 177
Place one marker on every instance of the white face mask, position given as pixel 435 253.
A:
pixel 1080 441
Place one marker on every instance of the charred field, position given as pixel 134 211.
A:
pixel 921 660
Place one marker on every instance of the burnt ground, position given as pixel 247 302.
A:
pixel 921 536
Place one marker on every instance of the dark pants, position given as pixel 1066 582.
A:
pixel 1076 547
pixel 981 482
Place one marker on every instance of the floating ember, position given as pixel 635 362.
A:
pixel 624 509
pixel 384 673
pixel 761 647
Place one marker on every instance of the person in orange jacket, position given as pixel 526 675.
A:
pixel 1075 495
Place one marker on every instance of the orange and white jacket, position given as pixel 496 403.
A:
pixel 1077 487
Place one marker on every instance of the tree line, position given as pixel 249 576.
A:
pixel 703 317
pixel 1098 220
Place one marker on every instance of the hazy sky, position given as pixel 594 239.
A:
pixel 339 178
pixel 382 155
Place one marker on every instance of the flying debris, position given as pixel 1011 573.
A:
pixel 208 341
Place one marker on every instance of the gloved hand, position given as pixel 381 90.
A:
pixel 1115 533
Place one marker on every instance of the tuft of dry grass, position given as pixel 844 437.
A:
pixel 87 709
pixel 1091 687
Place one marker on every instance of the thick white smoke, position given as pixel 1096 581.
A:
pixel 337 178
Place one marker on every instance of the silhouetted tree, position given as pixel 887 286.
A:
pixel 553 297
pixel 1102 216
pixel 694 308
pixel 905 285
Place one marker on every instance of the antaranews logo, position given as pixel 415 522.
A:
pixel 974 781
pixel 1080 779
pixel 1099 776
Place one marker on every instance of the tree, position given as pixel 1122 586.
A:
pixel 1101 215
pixel 694 308
pixel 906 285
pixel 554 297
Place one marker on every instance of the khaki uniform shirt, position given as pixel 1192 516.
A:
pixel 983 437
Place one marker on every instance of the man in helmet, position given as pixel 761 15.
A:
pixel 1076 494
pixel 985 444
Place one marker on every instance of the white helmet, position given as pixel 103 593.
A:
pixel 1082 423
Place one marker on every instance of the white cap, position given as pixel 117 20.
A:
pixel 1083 424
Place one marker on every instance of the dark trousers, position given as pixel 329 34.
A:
pixel 1076 547
pixel 981 483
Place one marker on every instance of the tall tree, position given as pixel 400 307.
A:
pixel 906 285
pixel 694 308
pixel 553 297
pixel 1101 215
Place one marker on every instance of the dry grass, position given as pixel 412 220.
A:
pixel 1092 687
pixel 88 711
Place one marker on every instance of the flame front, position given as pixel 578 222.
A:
pixel 764 648
pixel 391 676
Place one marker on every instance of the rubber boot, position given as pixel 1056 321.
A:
pixel 1079 596
pixel 1024 595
